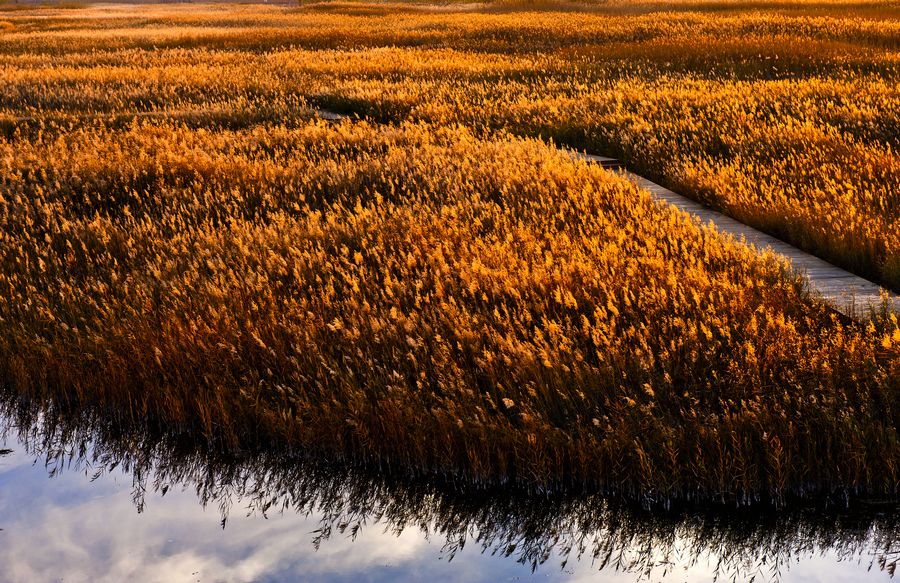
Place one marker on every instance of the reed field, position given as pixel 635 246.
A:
pixel 184 243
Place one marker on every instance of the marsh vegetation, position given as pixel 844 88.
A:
pixel 183 243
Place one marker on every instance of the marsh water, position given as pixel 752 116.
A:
pixel 81 503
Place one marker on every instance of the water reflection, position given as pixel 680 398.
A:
pixel 290 516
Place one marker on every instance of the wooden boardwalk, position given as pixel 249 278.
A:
pixel 330 115
pixel 845 292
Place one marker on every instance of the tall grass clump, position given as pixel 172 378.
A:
pixel 422 297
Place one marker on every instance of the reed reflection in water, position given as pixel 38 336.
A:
pixel 288 516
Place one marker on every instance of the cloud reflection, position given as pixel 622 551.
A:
pixel 293 518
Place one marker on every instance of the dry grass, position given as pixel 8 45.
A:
pixel 442 294
pixel 783 115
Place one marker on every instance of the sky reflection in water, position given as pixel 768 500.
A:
pixel 84 524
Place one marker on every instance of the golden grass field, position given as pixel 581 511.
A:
pixel 182 241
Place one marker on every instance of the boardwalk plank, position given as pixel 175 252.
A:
pixel 845 292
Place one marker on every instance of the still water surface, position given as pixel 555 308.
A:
pixel 78 506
